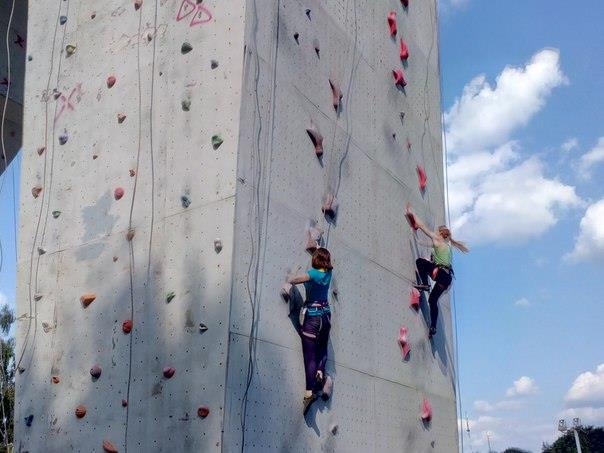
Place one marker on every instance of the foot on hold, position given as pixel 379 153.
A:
pixel 432 332
pixel 309 398
pixel 327 388
pixel 422 287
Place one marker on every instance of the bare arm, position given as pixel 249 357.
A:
pixel 298 279
pixel 421 225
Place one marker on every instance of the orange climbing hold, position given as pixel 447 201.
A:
pixel 127 326
pixel 80 411
pixel 87 299
pixel 422 178
pixel 109 447
pixel 316 138
pixel 426 410
pixel 35 191
pixel 404 50
pixel 111 81
pixel 414 298
pixel 203 411
pixel 55 379
pixel 169 372
pixel 118 193
pixel 399 78
pixel 392 22
pixel 336 95
pixel 403 342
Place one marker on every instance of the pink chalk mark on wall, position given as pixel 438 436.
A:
pixel 199 13
pixel 68 103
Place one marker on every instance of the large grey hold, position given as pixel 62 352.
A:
pixel 186 201
pixel 186 105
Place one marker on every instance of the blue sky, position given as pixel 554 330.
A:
pixel 523 92
pixel 522 89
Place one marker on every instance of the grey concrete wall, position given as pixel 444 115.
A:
pixel 256 193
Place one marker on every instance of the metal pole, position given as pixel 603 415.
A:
pixel 489 441
pixel 577 441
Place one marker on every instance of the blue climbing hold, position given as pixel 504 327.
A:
pixel 29 420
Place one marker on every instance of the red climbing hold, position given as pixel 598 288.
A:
pixel 411 218
pixel 55 379
pixel 330 206
pixel 392 22
pixel 109 447
pixel 124 403
pixel 95 371
pixel 336 95
pixel 137 4
pixel 404 50
pixel 399 77
pixel 87 299
pixel 111 81
pixel 414 298
pixel 36 191
pixel 169 372
pixel 80 411
pixel 316 138
pixel 203 411
pixel 118 193
pixel 403 342
pixel 426 410
pixel 422 178
pixel 127 326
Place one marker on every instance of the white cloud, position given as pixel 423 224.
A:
pixel 485 116
pixel 3 299
pixel 588 415
pixel 589 245
pixel 483 407
pixel 522 302
pixel 591 158
pixel 587 390
pixel 570 144
pixel 523 386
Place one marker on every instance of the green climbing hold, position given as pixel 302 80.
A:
pixel 171 295
pixel 70 49
pixel 56 214
pixel 186 105
pixel 216 141
pixel 186 48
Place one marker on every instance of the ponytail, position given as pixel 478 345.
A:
pixel 463 248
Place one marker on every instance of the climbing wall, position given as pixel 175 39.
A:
pixel 171 170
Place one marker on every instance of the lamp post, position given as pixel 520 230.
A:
pixel 575 429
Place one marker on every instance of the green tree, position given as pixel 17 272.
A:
pixel 591 439
pixel 7 378
pixel 515 450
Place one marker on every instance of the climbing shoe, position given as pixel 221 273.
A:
pixel 422 287
pixel 327 388
pixel 432 332
pixel 308 400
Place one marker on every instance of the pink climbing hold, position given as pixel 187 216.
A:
pixel 403 342
pixel 286 291
pixel 404 50
pixel 399 77
pixel 330 206
pixel 414 298
pixel 316 138
pixel 118 193
pixel 111 81
pixel 422 178
pixel 392 22
pixel 169 372
pixel 426 410
pixel 411 218
pixel 109 447
pixel 80 411
pixel 95 371
pixel 35 191
pixel 137 4
pixel 336 95
pixel 203 411
pixel 127 326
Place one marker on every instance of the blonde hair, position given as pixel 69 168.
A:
pixel 444 231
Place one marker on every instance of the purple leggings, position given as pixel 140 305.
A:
pixel 315 335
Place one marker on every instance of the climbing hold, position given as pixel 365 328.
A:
pixel 95 156
pixel 216 141
pixel 392 22
pixel 414 298
pixel 62 20
pixel 422 178
pixel 29 419
pixel 55 379
pixel 217 245
pixel 213 64
pixel 203 411
pixel 333 429
pixel 399 77
pixel 121 118
pixel 402 116
pixel 127 326
pixel 30 58
pixel 56 214
pixel 285 292
pixel 37 297
pixel 296 36
pixel 41 150
pixel 317 50
pixel 87 299
pixel 169 372
pixel 426 410
pixel 56 93
pixel 171 295
pixel 137 4
pixel 186 48
pixel 186 105
pixel 336 95
pixel 41 251
pixel 109 447
pixel 80 411
pixel 308 13
pixel 114 259
pixel 411 218
pixel 404 50
pixel 132 172
pixel 202 327
pixel 118 193
pixel 63 138
pixel 185 201
pixel 36 191
pixel 330 206
pixel 111 81
pixel 93 15
pixel 313 238
pixel 70 49
pixel 316 138
pixel 405 3
pixel 408 144
pixel 46 327
pixel 130 234
pixel 403 342
pixel 95 371
pixel 124 403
